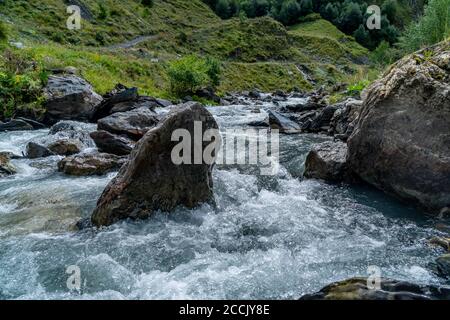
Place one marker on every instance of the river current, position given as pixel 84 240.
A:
pixel 275 237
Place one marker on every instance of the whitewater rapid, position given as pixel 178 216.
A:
pixel 268 238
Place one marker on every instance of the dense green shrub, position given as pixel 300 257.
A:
pixel 213 70
pixel 191 73
pixel 102 11
pixel 356 88
pixel 383 55
pixel 148 3
pixel 21 83
pixel 433 27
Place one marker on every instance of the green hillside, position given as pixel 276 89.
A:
pixel 255 53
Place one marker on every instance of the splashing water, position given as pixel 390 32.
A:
pixel 269 237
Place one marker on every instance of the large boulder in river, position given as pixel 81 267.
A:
pixel 328 161
pixel 362 289
pixel 134 123
pixel 69 97
pixel 401 143
pixel 112 143
pixel 90 164
pixel 151 180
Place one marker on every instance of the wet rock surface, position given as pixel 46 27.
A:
pixel 280 122
pixel 69 97
pixel 401 143
pixel 134 123
pixel 151 181
pixel 111 143
pixel 6 168
pixel 90 164
pixel 35 150
pixel 328 161
pixel 357 289
pixel 15 125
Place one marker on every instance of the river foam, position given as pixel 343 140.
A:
pixel 268 238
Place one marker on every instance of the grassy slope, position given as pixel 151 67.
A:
pixel 257 53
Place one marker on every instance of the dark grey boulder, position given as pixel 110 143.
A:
pixel 134 123
pixel 35 124
pixel 121 96
pixel 322 121
pixel 151 181
pixel 16 125
pixel 280 122
pixel 259 123
pixel 34 150
pixel 69 98
pixel 328 161
pixel 111 143
pixel 163 103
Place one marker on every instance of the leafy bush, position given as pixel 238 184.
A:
pixel 356 88
pixel 192 73
pixel 433 27
pixel 213 70
pixel 384 54
pixel 103 11
pixel 21 82
pixel 148 3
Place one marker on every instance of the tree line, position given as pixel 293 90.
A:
pixel 349 16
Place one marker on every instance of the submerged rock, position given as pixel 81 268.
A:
pixel 280 122
pixel 328 161
pixel 69 98
pixel 151 180
pixel 401 143
pixel 6 168
pixel 134 123
pixel 66 147
pixel 357 289
pixel 443 265
pixel 65 138
pixel 111 143
pixel 35 124
pixel 16 125
pixel 442 242
pixel 259 123
pixel 90 164
pixel 35 150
